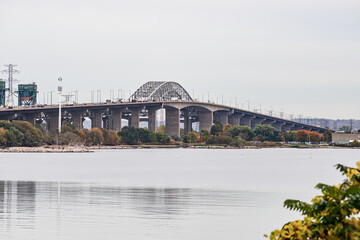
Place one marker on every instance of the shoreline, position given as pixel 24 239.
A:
pixel 85 149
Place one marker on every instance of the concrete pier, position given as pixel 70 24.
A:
pixel 134 119
pixel 172 121
pixel 52 121
pixel 77 119
pixel 206 120
pixel 97 118
pixel 115 120
pixel 152 118
pixel 246 120
pixel 234 119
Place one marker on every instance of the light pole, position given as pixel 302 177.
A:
pixel 60 90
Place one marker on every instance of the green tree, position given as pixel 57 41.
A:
pixel 290 136
pixel 162 138
pixel 244 132
pixel 267 131
pixel 216 128
pixel 144 135
pixel 129 135
pixel 334 215
pixel 328 136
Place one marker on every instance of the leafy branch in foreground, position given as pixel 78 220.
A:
pixel 331 216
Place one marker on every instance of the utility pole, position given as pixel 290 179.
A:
pixel 10 81
pixel 60 90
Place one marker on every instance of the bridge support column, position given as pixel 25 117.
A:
pixel 187 122
pixel 30 117
pixel 257 121
pixel 115 120
pixel 235 119
pixel 172 122
pixel 77 119
pixel 52 121
pixel 278 125
pixel 135 117
pixel 222 117
pixel 152 119
pixel 287 127
pixel 97 118
pixel 206 120
pixel 246 121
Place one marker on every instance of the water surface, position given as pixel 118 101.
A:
pixel 159 193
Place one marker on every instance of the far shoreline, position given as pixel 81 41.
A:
pixel 88 149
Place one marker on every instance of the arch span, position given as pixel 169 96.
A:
pixel 160 91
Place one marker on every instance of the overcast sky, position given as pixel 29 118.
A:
pixel 297 56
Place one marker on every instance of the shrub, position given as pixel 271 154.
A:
pixel 96 136
pixel 191 137
pixel 2 137
pixel 332 215
pixel 69 138
pixel 355 143
pixel 111 138
pixel 221 140
pixel 14 137
pixel 244 132
pixel 32 136
pixel 205 134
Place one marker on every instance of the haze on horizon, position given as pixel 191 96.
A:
pixel 296 56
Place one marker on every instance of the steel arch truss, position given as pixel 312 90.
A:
pixel 161 91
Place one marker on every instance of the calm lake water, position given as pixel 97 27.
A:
pixel 159 193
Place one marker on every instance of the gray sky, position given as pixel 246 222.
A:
pixel 299 56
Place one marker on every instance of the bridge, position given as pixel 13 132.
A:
pixel 143 106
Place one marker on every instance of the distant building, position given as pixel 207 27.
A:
pixel 344 138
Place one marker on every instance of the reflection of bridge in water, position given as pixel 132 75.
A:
pixel 144 104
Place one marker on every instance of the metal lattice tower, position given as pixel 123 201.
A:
pixel 160 91
pixel 10 82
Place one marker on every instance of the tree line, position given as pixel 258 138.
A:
pixel 22 133
pixel 239 135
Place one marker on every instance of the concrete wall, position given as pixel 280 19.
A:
pixel 344 137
